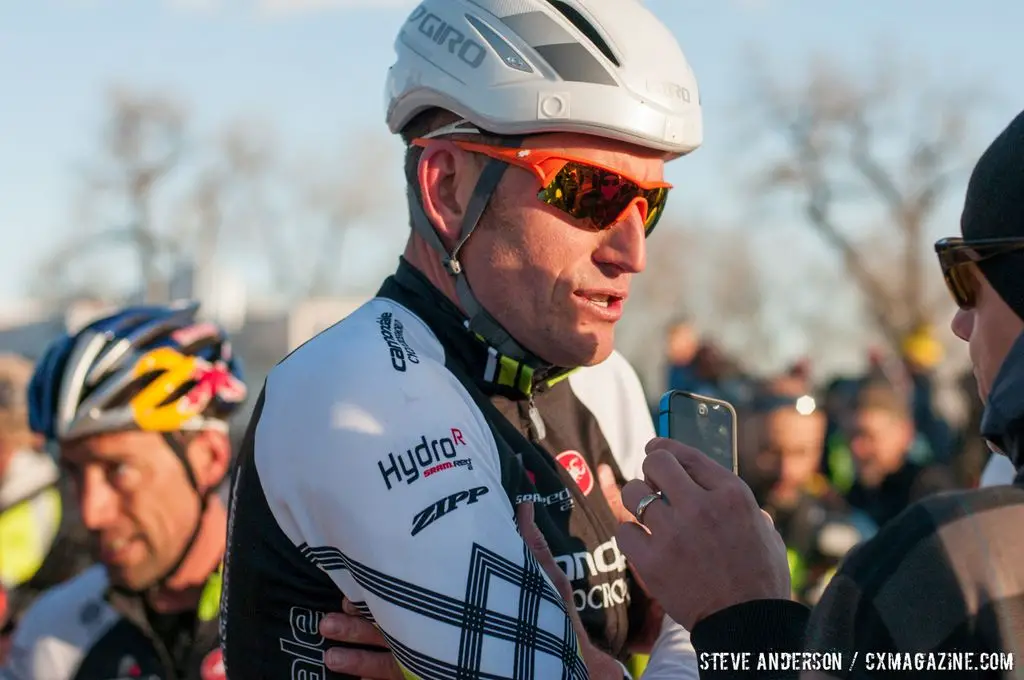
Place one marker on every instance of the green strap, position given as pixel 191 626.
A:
pixel 209 601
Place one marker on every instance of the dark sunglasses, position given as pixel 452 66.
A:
pixel 959 260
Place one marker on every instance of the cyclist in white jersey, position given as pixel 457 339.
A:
pixel 386 456
pixel 673 656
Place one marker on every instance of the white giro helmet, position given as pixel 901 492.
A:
pixel 608 68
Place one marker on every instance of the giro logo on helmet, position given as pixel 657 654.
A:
pixel 440 31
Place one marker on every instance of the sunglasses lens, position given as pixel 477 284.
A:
pixel 656 200
pixel 957 270
pixel 599 196
pixel 961 283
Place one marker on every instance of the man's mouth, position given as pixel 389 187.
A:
pixel 115 545
pixel 601 299
pixel 113 549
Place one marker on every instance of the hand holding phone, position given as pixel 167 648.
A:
pixel 706 424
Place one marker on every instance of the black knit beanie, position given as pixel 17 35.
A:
pixel 994 208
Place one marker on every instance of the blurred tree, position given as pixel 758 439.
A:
pixel 142 141
pixel 736 308
pixel 709 274
pixel 845 143
pixel 227 181
pixel 158 201
pixel 307 236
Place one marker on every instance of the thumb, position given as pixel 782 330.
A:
pixel 538 545
pixel 612 492
pixel 532 536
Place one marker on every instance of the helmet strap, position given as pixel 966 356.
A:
pixel 480 320
pixel 178 447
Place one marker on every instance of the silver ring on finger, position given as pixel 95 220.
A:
pixel 645 503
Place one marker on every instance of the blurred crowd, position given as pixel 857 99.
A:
pixel 833 462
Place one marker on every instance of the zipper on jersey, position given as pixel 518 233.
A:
pixel 538 431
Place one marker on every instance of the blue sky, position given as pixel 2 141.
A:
pixel 315 69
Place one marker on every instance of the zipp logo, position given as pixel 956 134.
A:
pixel 469 52
pixel 393 332
pixel 425 459
pixel 431 514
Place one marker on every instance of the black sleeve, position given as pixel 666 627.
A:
pixel 753 627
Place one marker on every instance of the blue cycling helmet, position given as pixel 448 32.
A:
pixel 153 368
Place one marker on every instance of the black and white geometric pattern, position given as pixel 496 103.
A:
pixel 490 640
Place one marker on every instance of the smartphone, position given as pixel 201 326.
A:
pixel 706 424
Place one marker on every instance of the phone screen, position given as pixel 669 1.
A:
pixel 706 424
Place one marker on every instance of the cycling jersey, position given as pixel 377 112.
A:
pixel 30 511
pixel 41 534
pixel 383 461
pixel 84 630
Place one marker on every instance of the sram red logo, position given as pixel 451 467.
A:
pixel 561 499
pixel 425 459
pixel 432 513
pixel 576 465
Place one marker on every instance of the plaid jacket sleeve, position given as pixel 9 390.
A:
pixel 945 576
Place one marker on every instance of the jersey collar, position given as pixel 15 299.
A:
pixel 496 373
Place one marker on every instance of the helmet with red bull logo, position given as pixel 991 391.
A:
pixel 154 368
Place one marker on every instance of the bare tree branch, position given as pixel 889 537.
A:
pixel 326 199
pixel 142 142
pixel 862 155
pixel 835 128
pixel 160 202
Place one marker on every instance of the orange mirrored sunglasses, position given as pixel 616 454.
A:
pixel 594 194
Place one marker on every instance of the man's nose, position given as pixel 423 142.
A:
pixel 97 501
pixel 963 324
pixel 625 245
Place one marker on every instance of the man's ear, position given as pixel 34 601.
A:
pixel 446 175
pixel 209 453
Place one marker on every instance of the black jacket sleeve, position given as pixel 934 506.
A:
pixel 750 627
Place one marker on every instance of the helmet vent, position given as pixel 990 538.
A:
pixel 574 17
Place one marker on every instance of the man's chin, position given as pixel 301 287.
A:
pixel 584 353
pixel 576 347
pixel 600 355
pixel 125 580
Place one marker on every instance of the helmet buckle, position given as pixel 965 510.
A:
pixel 453 265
